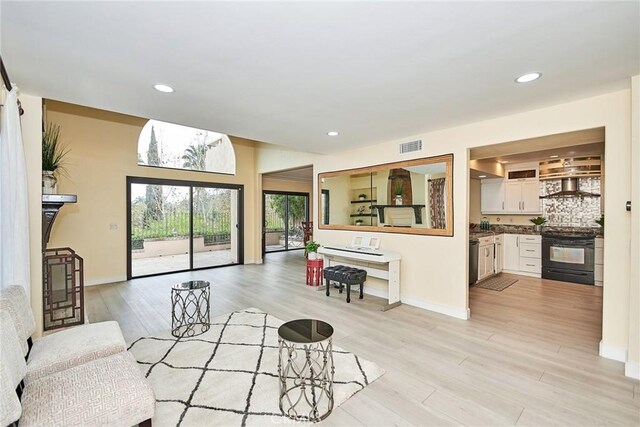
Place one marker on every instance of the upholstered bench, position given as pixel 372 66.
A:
pixel 109 390
pixel 60 350
pixel 345 276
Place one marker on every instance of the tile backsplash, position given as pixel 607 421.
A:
pixel 571 211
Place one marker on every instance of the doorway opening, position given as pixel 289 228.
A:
pixel 283 216
pixel 175 226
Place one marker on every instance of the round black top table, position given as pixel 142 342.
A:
pixel 305 331
pixel 305 369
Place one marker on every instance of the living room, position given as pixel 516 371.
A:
pixel 102 131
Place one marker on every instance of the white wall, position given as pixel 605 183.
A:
pixel 632 367
pixel 434 269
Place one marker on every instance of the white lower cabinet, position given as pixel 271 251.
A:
pixel 599 262
pixel 522 254
pixel 511 253
pixel 485 257
pixel 499 254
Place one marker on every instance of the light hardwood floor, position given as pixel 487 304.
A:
pixel 528 356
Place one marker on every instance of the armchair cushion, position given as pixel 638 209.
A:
pixel 12 370
pixel 14 300
pixel 104 392
pixel 72 347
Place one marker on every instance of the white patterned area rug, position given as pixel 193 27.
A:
pixel 228 376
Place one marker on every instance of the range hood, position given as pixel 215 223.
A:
pixel 569 189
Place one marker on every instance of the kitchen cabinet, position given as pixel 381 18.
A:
pixel 485 257
pixel 522 197
pixel 499 254
pixel 511 253
pixel 599 262
pixel 492 196
pixel 523 254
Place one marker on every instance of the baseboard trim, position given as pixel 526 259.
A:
pixel 614 353
pixel 104 280
pixel 458 313
pixel 632 370
pixel 425 305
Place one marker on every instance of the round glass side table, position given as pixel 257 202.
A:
pixel 190 308
pixel 305 369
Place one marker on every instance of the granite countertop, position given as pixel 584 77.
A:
pixel 475 232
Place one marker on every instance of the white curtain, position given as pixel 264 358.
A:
pixel 14 214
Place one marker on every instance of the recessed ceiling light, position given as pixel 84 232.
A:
pixel 482 176
pixel 163 88
pixel 554 156
pixel 333 133
pixel 529 77
pixel 503 161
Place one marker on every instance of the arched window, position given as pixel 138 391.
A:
pixel 167 145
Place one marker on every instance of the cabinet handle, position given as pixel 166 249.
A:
pixel 530 265
pixel 517 241
pixel 529 250
pixel 502 205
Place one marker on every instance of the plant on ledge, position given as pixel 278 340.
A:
pixel 362 196
pixel 600 221
pixel 53 155
pixel 311 249
pixel 538 222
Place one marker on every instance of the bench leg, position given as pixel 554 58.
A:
pixel 348 293
pixel 145 423
pixel 361 289
pixel 328 286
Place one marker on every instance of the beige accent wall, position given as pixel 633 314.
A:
pixel 32 141
pixel 103 152
pixel 434 269
pixel 271 184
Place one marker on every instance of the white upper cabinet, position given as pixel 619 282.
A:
pixel 492 196
pixel 517 193
pixel 531 197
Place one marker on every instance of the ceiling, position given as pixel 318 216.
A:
pixel 289 72
pixel 489 161
pixel 299 174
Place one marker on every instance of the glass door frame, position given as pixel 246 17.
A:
pixel 286 222
pixel 190 185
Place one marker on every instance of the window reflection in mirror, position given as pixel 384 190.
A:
pixel 413 197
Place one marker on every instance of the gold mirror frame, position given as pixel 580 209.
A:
pixel 447 231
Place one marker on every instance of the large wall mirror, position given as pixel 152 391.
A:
pixel 410 197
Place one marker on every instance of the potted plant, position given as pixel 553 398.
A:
pixel 359 222
pixel 311 249
pixel 398 192
pixel 600 221
pixel 538 222
pixel 53 155
pixel 362 196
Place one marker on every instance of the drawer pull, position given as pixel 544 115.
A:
pixel 530 265
pixel 529 250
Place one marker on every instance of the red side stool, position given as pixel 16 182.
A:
pixel 314 272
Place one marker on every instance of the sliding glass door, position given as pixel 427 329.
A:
pixel 283 214
pixel 182 225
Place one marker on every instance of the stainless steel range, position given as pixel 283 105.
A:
pixel 568 256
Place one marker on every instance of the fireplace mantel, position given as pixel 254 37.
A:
pixel 417 211
pixel 51 204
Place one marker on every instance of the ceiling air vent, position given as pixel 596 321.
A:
pixel 408 147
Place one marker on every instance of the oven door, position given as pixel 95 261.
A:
pixel 575 255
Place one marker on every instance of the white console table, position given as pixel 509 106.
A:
pixel 370 260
